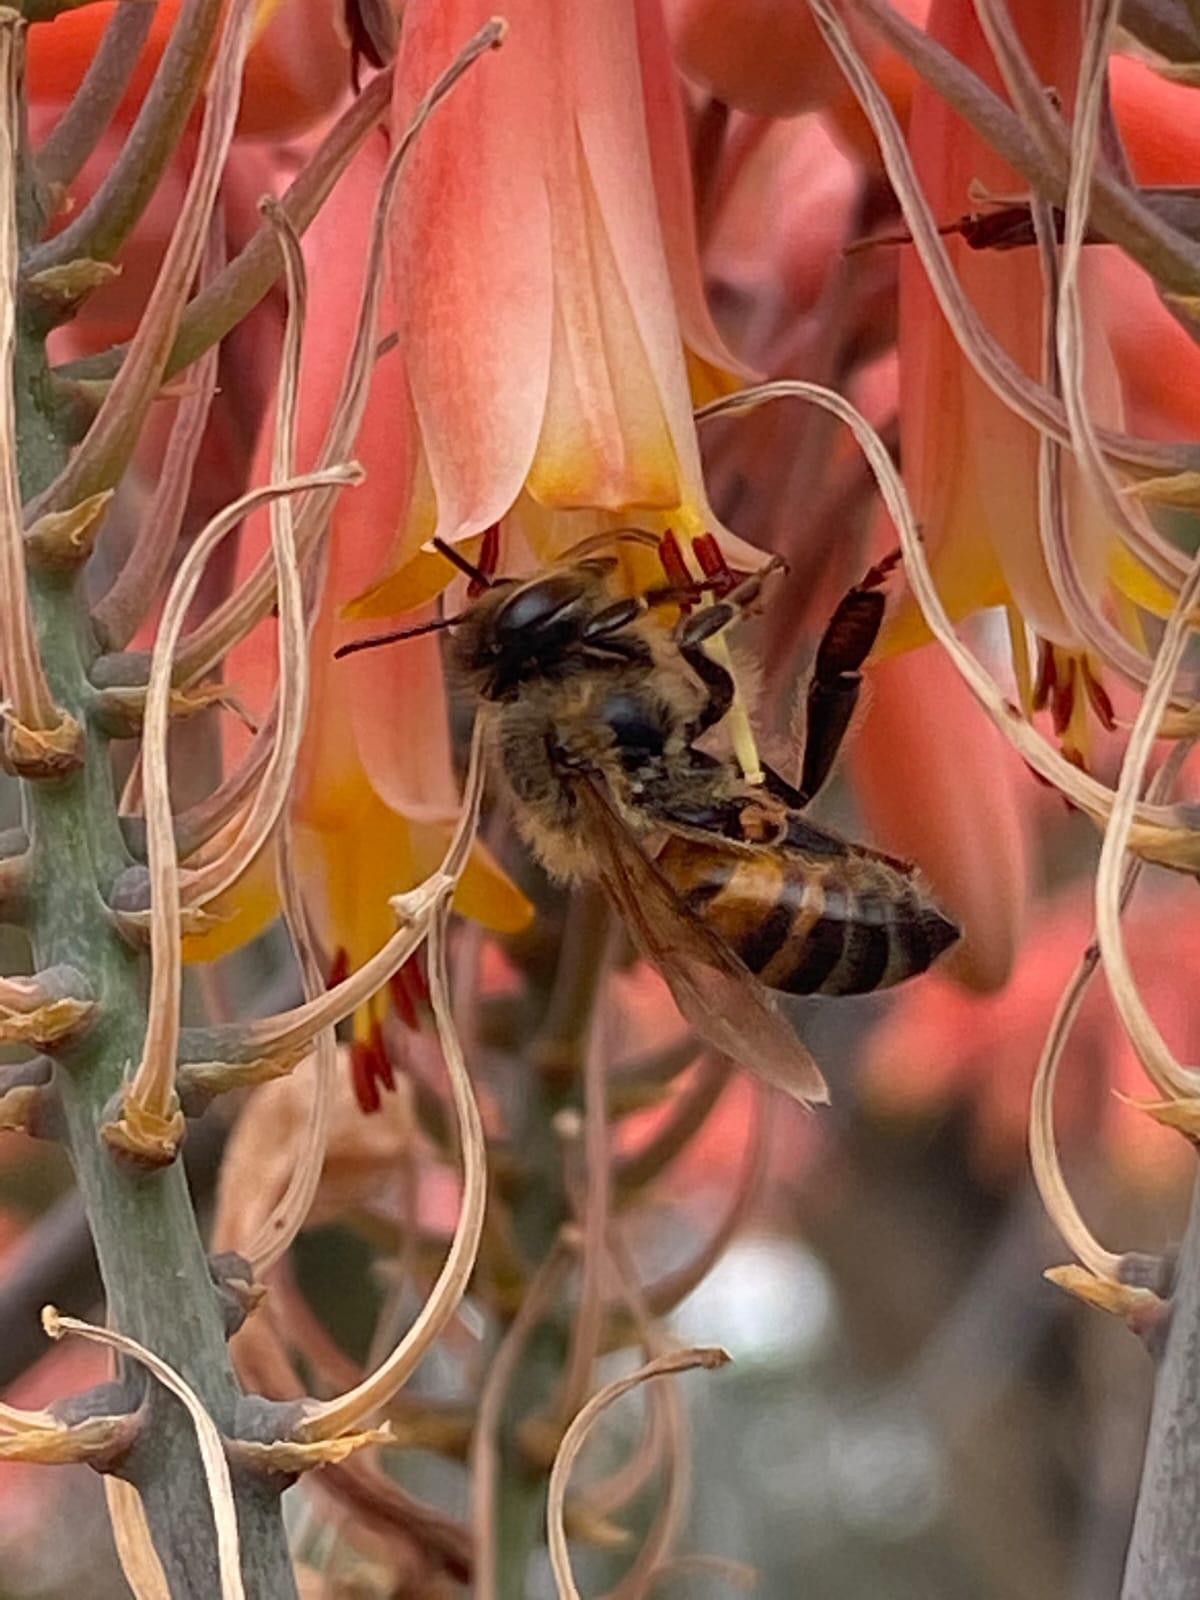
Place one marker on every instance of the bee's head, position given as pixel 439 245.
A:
pixel 521 630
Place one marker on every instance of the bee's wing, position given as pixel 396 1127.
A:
pixel 716 993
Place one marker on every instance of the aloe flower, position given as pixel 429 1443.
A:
pixel 297 70
pixel 375 799
pixel 944 790
pixel 971 464
pixel 762 56
pixel 550 306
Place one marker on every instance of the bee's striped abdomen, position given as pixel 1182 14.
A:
pixel 840 925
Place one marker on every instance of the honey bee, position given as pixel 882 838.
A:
pixel 594 715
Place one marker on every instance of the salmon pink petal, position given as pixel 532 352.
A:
pixel 397 703
pixel 601 53
pixel 472 252
pixel 1158 361
pixel 1159 122
pixel 604 439
pixel 763 56
pixel 969 461
pixel 296 71
pixel 938 784
pixel 670 161
pixel 59 51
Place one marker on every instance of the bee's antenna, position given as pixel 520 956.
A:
pixel 456 559
pixel 374 640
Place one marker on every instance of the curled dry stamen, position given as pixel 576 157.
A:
pixel 231 621
pixel 110 441
pixel 274 1238
pixel 348 1411
pixel 271 795
pixel 708 1357
pixel 1087 619
pixel 131 1532
pixel 669 1414
pixel 334 1417
pixel 1043 1148
pixel 294 1030
pixel 1163 832
pixel 212 1450
pixel 987 356
pixel 119 613
pixel 1174 1081
pixel 28 703
pixel 151 1095
pixel 208 817
pixel 1124 511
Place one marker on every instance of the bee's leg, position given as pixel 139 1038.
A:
pixel 613 618
pixel 718 684
pixel 699 626
pixel 710 620
pixel 834 687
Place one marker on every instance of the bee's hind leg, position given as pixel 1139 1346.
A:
pixel 836 680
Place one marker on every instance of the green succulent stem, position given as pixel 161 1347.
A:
pixel 152 1260
pixel 541 1206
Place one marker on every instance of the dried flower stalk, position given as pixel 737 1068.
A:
pixel 576 1437
pixel 212 1449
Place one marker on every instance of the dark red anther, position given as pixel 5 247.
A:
pixel 717 573
pixel 1062 704
pixel 402 1001
pixel 410 992
pixel 881 571
pixel 363 1077
pixel 339 967
pixel 1047 676
pixel 489 557
pixel 673 564
pixel 1100 702
pixel 371 1070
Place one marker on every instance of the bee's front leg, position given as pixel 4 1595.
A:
pixel 836 680
pixel 718 687
pixel 699 626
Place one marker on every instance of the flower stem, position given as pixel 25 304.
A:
pixel 1164 1552
pixel 152 1261
pixel 541 1207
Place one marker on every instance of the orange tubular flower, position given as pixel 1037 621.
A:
pixel 762 56
pixel 296 72
pixel 937 783
pixel 548 285
pixel 969 461
pixel 375 796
